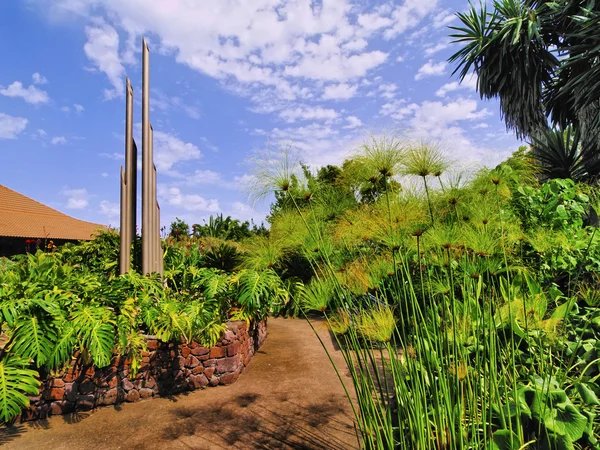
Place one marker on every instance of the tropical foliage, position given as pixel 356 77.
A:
pixel 465 305
pixel 71 302
pixel 541 60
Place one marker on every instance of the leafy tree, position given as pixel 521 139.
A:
pixel 179 229
pixel 541 59
pixel 224 228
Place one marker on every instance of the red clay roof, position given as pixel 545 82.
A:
pixel 21 216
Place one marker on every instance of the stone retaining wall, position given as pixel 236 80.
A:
pixel 167 368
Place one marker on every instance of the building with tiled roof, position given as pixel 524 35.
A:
pixel 23 220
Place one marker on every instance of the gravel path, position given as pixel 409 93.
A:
pixel 289 397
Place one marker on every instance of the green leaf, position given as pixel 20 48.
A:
pixel 587 395
pixel 15 383
pixel 94 327
pixel 63 348
pixel 565 420
pixel 505 440
pixel 33 339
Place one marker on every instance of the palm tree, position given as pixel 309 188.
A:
pixel 540 59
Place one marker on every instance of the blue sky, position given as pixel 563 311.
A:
pixel 227 77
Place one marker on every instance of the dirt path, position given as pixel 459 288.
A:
pixel 289 397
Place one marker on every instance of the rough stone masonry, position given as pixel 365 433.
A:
pixel 167 368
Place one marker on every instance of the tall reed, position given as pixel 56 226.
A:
pixel 468 359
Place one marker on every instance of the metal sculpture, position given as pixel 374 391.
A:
pixel 152 257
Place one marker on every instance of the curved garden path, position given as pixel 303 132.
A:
pixel 289 397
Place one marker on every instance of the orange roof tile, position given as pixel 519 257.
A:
pixel 21 216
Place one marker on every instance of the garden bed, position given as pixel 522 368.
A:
pixel 167 368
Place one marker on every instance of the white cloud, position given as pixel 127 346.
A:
pixel 408 15
pixel 41 132
pixel 481 125
pixel 469 83
pixel 307 113
pixel 339 68
pixel 264 49
pixel 11 126
pixel 66 109
pixel 388 90
pixel 110 209
pixel 429 115
pixel 319 144
pixel 340 91
pixel 31 94
pixel 440 121
pixel 431 69
pixel 374 21
pixel 400 59
pixel 116 156
pixel 443 18
pixel 436 48
pixel 39 79
pixel 76 198
pixel 102 48
pixel 244 182
pixel 243 211
pixel 58 140
pixel 203 177
pixel 189 202
pixel 164 103
pixel 169 150
pixel 79 108
pixel 353 122
pixel 104 174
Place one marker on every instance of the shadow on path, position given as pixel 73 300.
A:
pixel 289 397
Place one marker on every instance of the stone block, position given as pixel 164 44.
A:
pixel 229 378
pixel 109 397
pixel 127 384
pixel 200 351
pixel 71 391
pixel 112 382
pixel 58 383
pixel 87 387
pixel 132 396
pixel 86 402
pixel 61 407
pixel 185 351
pixel 54 394
pixel 197 381
pixel 145 393
pixel 191 361
pixel 233 349
pixel 228 337
pixel 227 364
pixel 218 352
